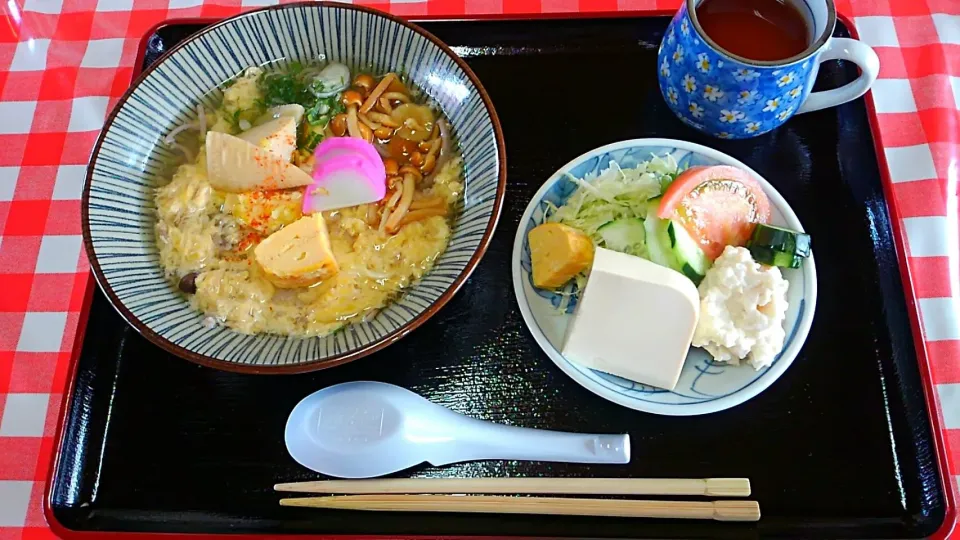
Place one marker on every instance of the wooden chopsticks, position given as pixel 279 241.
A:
pixel 492 504
pixel 434 495
pixel 714 487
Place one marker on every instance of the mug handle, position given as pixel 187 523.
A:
pixel 858 53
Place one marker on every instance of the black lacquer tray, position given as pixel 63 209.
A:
pixel 840 446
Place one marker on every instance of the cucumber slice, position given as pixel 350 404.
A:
pixel 625 235
pixel 765 255
pixel 777 246
pixel 655 249
pixel 659 246
pixel 692 261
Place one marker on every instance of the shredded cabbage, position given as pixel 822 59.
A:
pixel 614 194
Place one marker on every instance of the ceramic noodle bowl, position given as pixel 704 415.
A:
pixel 130 161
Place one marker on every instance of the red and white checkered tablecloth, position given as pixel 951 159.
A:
pixel 64 63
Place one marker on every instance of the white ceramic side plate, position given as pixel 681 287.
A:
pixel 705 386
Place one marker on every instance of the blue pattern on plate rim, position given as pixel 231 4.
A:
pixel 131 162
pixel 697 392
pixel 717 94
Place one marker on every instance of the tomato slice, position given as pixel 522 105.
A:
pixel 719 206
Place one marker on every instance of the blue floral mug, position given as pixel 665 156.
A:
pixel 733 97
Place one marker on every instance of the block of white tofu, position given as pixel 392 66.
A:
pixel 635 319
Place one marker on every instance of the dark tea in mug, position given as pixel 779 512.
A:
pixel 756 29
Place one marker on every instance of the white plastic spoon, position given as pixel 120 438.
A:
pixel 368 429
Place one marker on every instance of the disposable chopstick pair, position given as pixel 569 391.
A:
pixel 408 495
pixel 493 504
pixel 711 487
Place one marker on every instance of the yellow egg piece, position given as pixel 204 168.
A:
pixel 299 254
pixel 558 252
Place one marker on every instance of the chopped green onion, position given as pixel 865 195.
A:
pixel 312 140
pixel 296 85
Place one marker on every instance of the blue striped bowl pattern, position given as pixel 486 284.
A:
pixel 705 386
pixel 129 162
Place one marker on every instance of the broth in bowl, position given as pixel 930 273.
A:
pixel 211 231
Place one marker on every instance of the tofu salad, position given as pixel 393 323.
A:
pixel 661 259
